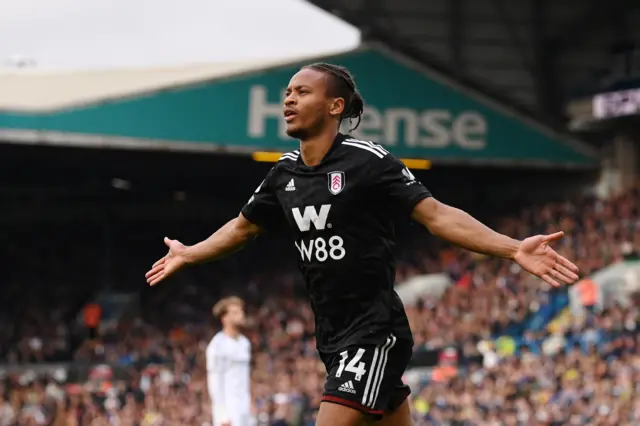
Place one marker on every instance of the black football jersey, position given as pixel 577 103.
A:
pixel 341 214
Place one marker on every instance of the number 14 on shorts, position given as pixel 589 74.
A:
pixel 354 366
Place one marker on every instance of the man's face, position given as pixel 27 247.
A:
pixel 307 108
pixel 234 316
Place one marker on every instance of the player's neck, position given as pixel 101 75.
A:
pixel 313 149
pixel 231 332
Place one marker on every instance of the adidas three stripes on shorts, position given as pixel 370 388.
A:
pixel 368 378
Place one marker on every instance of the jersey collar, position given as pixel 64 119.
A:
pixel 336 143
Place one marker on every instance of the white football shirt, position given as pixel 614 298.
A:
pixel 228 379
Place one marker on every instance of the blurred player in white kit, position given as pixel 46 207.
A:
pixel 229 365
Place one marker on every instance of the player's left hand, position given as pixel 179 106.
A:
pixel 536 257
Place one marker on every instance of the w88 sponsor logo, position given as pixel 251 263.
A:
pixel 319 248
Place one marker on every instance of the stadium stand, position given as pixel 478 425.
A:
pixel 510 367
pixel 495 347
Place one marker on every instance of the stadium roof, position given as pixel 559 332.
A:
pixel 528 54
pixel 230 108
pixel 28 90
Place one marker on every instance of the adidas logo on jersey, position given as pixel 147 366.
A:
pixel 411 179
pixel 347 387
pixel 407 173
pixel 291 186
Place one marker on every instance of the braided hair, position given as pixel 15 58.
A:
pixel 342 85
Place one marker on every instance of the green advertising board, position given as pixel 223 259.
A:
pixel 411 111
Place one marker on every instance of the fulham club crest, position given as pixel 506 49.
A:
pixel 336 182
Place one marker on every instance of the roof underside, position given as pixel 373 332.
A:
pixel 530 54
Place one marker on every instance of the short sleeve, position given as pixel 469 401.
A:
pixel 263 208
pixel 396 185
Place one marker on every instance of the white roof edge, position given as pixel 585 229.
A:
pixel 29 90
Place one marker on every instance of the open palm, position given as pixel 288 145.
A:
pixel 169 264
pixel 536 257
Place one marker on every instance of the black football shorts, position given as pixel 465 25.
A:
pixel 368 378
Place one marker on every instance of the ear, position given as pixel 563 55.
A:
pixel 336 106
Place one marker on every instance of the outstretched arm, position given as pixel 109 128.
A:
pixel 460 228
pixel 262 211
pixel 398 187
pixel 228 239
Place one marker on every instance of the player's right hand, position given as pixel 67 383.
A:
pixel 169 264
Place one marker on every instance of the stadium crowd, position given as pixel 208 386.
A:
pixel 585 371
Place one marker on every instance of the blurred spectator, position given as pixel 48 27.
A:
pixel 585 380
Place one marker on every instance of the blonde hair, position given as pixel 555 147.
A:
pixel 221 308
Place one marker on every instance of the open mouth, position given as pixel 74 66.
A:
pixel 290 115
